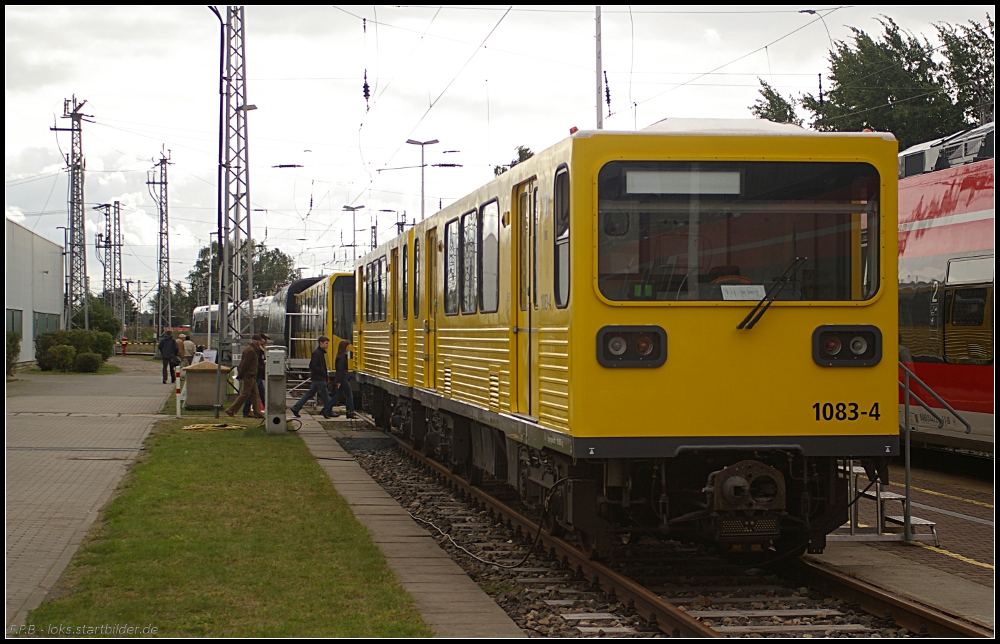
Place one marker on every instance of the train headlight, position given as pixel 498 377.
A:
pixel 864 343
pixel 631 346
pixel 617 345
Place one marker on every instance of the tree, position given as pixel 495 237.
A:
pixel 971 53
pixel 271 269
pixel 523 153
pixel 102 318
pixel 772 106
pixel 894 84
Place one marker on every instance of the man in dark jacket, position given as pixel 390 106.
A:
pixel 318 375
pixel 261 360
pixel 168 351
pixel 248 368
pixel 343 385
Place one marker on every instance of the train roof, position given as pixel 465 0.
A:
pixel 733 127
pixel 960 148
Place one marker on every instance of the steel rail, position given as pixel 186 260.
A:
pixel 657 611
pixel 668 618
pixel 909 614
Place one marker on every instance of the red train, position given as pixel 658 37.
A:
pixel 946 285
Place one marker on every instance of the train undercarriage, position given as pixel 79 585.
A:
pixel 743 501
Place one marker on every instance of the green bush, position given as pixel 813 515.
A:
pixel 87 362
pixel 13 350
pixel 62 356
pixel 103 344
pixel 82 340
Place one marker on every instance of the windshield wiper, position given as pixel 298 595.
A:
pixel 754 316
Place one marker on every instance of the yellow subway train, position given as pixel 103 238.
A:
pixel 678 332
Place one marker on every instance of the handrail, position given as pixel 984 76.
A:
pixel 913 376
pixel 907 391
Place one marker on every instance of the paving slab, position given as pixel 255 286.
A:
pixel 912 579
pixel 65 455
pixel 452 604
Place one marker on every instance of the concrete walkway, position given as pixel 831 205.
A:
pixel 451 604
pixel 69 439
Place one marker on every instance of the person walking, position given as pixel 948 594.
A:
pixel 260 374
pixel 318 375
pixel 168 353
pixel 249 365
pixel 181 353
pixel 189 348
pixel 343 385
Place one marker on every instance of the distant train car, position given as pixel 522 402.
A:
pixel 273 315
pixel 325 308
pixel 680 331
pixel 946 285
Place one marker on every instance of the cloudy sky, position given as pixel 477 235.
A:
pixel 481 80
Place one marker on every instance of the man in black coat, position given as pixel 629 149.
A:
pixel 318 375
pixel 168 351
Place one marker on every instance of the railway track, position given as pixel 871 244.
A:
pixel 551 588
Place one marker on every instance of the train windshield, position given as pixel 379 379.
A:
pixel 682 230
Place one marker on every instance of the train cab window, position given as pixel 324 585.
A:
pixel 468 244
pixel 560 223
pixel 343 307
pixel 725 230
pixel 451 268
pixel 416 278
pixel 489 257
pixel 406 294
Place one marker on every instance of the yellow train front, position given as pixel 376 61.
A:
pixel 681 331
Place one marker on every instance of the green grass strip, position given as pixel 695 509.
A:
pixel 230 534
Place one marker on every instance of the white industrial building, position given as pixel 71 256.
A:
pixel 34 293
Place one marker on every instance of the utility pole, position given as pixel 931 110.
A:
pixel 600 113
pixel 234 193
pixel 157 183
pixel 117 286
pixel 77 296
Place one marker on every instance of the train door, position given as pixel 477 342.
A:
pixel 526 310
pixel 429 309
pixel 394 314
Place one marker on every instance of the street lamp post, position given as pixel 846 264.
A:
pixel 422 144
pixel 354 229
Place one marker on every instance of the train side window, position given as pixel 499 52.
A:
pixel 451 268
pixel 406 295
pixel 368 293
pixel 535 232
pixel 968 307
pixel 561 250
pixel 382 290
pixel 489 257
pixel 469 269
pixel 416 277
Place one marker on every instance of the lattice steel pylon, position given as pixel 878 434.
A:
pixel 157 183
pixel 234 174
pixel 76 296
pixel 104 244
